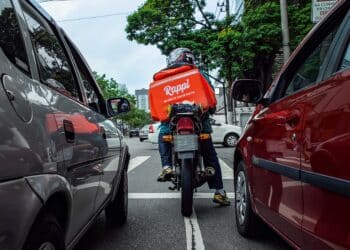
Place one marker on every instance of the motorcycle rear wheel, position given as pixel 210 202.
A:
pixel 186 187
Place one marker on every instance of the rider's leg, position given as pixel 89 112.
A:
pixel 210 158
pixel 164 151
pixel 166 158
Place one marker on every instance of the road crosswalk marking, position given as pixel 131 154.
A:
pixel 227 172
pixel 194 238
pixel 137 161
pixel 175 195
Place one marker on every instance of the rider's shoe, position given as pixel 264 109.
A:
pixel 165 175
pixel 221 199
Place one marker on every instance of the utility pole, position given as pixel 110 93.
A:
pixel 285 30
pixel 224 87
pixel 227 8
pixel 221 4
pixel 225 104
pixel 231 105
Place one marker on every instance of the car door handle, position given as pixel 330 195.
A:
pixel 69 131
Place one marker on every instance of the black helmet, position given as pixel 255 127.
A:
pixel 180 55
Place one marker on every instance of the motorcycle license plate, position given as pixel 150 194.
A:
pixel 185 143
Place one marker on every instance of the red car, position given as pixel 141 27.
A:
pixel 292 164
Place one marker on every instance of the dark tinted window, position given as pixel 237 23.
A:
pixel 11 40
pixel 54 67
pixel 309 71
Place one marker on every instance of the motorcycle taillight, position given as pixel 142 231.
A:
pixel 150 129
pixel 185 125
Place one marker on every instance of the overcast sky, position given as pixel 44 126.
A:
pixel 103 41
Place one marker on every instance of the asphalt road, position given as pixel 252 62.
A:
pixel 155 220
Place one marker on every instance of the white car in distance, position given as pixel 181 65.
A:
pixel 153 132
pixel 225 134
pixel 143 135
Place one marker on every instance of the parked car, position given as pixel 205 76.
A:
pixel 61 160
pixel 133 132
pixel 144 133
pixel 153 132
pixel 291 165
pixel 224 134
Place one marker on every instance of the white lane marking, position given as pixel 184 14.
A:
pixel 137 161
pixel 227 172
pixel 194 238
pixel 147 196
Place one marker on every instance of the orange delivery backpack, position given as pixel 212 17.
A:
pixel 184 84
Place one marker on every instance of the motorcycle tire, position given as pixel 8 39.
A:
pixel 187 187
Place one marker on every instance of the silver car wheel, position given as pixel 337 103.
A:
pixel 47 246
pixel 241 196
pixel 231 140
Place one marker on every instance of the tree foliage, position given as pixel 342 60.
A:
pixel 137 117
pixel 299 21
pixel 168 24
pixel 110 88
pixel 237 47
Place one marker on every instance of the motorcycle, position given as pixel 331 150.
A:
pixel 190 172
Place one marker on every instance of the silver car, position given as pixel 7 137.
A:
pixel 144 133
pixel 61 160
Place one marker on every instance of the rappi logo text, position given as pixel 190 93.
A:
pixel 177 89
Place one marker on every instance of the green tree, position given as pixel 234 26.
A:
pixel 110 88
pixel 168 24
pixel 237 49
pixel 136 117
pixel 300 24
pixel 260 41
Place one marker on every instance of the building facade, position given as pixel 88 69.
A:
pixel 142 99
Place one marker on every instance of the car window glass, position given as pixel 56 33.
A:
pixel 345 64
pixel 91 95
pixel 309 71
pixel 11 40
pixel 54 67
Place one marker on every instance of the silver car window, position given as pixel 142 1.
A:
pixel 11 40
pixel 54 66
